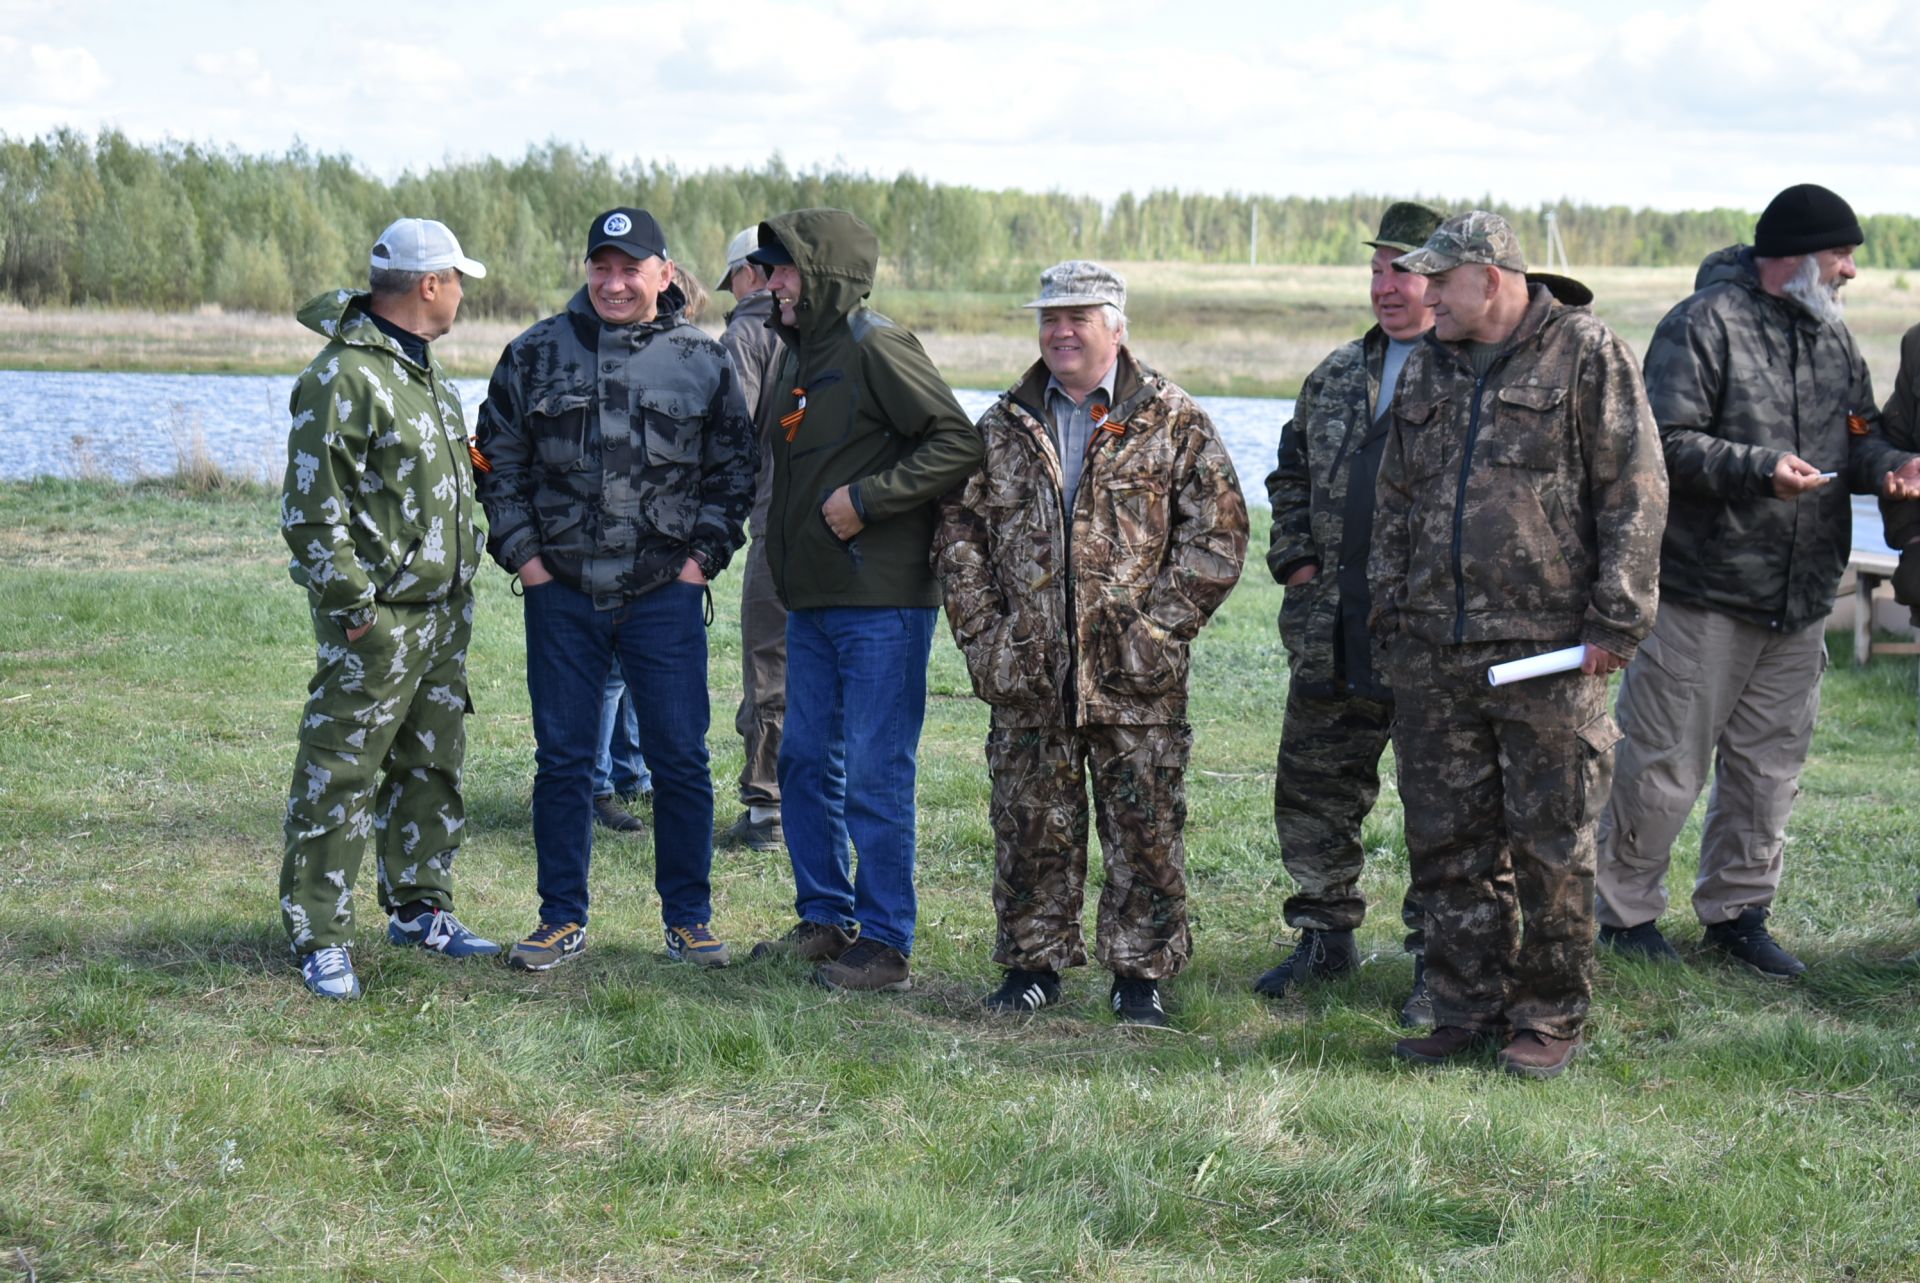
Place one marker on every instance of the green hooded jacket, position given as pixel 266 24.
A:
pixel 377 503
pixel 872 413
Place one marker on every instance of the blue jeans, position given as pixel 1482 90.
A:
pixel 659 644
pixel 619 768
pixel 856 698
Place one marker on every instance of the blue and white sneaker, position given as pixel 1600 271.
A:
pixel 328 972
pixel 438 930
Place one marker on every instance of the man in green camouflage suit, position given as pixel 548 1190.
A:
pixel 1521 501
pixel 1339 710
pixel 1103 530
pixel 378 509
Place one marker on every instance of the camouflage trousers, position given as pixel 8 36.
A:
pixel 1502 788
pixel 381 744
pixel 763 680
pixel 1039 812
pixel 1326 780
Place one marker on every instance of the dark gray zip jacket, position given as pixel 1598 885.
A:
pixel 1738 379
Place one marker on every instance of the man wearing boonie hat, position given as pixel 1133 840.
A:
pixel 1339 708
pixel 1520 505
pixel 378 509
pixel 622 468
pixel 1078 564
pixel 750 341
pixel 1762 398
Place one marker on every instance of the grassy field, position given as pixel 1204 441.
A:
pixel 174 1106
pixel 1216 329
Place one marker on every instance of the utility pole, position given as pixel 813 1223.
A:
pixel 1556 248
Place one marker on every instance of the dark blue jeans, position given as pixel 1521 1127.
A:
pixel 659 642
pixel 856 699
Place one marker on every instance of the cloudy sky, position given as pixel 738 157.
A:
pixel 1673 105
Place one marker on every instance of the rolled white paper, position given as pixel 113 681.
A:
pixel 1554 661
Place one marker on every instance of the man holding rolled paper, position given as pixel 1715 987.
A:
pixel 1520 504
pixel 1763 402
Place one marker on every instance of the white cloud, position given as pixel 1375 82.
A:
pixel 61 76
pixel 241 67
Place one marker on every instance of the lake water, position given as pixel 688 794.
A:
pixel 132 425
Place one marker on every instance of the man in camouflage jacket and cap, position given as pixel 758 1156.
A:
pixel 1521 501
pixel 1078 564
pixel 1339 709
pixel 378 509
pixel 622 468
pixel 1762 399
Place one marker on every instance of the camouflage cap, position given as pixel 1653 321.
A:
pixel 1474 237
pixel 1078 283
pixel 1406 225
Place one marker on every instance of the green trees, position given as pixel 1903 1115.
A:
pixel 172 225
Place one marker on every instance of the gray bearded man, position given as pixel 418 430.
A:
pixel 1339 709
pixel 1103 530
pixel 1762 400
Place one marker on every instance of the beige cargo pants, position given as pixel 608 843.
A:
pixel 1707 690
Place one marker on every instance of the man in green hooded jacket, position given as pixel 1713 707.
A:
pixel 867 436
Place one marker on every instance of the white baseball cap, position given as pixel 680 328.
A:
pixel 422 245
pixel 743 243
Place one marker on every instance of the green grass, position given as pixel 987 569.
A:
pixel 174 1106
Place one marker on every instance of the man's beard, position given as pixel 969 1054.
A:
pixel 1805 288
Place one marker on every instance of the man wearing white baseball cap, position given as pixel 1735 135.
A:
pixel 756 355
pixel 422 245
pixel 381 525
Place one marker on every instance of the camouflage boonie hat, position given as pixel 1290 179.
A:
pixel 1473 237
pixel 1078 283
pixel 1405 226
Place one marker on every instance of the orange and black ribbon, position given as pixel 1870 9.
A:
pixel 1856 424
pixel 791 422
pixel 480 463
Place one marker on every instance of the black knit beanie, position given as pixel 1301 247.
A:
pixel 1803 219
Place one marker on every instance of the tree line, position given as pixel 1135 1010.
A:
pixel 109 221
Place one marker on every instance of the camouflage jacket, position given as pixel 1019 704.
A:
pixel 378 501
pixel 1739 378
pixel 756 355
pixel 867 410
pixel 617 451
pixel 1331 445
pixel 1092 628
pixel 1526 504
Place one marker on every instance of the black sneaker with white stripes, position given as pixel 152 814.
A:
pixel 1137 1002
pixel 1024 992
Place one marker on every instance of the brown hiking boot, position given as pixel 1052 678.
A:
pixel 868 966
pixel 1533 1054
pixel 807 941
pixel 1440 1046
